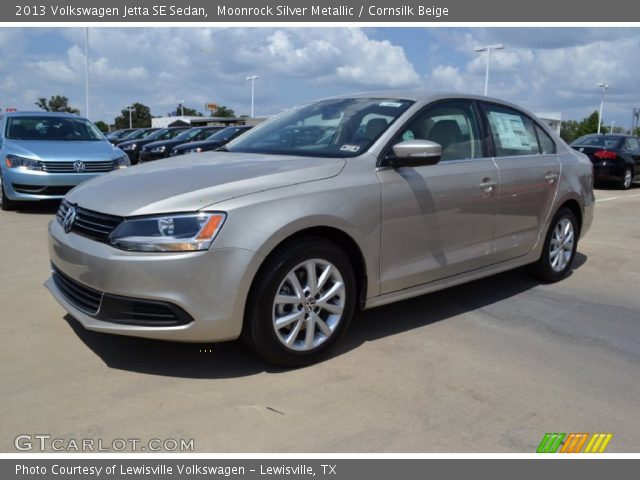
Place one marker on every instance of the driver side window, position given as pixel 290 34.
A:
pixel 453 125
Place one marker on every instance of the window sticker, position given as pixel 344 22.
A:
pixel 350 148
pixel 510 130
pixel 390 104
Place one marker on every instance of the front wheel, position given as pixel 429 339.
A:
pixel 559 249
pixel 301 303
pixel 5 203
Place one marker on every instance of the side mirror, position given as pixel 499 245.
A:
pixel 414 153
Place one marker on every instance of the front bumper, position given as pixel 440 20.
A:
pixel 210 286
pixel 38 185
pixel 147 156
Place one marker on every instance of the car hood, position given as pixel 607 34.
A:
pixel 163 143
pixel 196 181
pixel 203 143
pixel 64 151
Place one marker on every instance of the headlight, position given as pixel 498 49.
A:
pixel 173 153
pixel 158 149
pixel 21 163
pixel 126 148
pixel 195 150
pixel 168 233
pixel 122 162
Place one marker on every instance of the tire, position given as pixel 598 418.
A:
pixel 627 179
pixel 302 308
pixel 6 204
pixel 563 231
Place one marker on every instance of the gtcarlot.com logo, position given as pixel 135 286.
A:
pixel 574 443
pixel 47 443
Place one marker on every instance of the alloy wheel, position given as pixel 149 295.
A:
pixel 309 305
pixel 561 248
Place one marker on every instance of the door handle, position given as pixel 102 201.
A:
pixel 551 177
pixel 487 185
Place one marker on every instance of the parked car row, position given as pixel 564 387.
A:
pixel 46 154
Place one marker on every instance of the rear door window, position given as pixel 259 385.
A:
pixel 513 133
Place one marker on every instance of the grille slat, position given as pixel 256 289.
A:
pixel 58 190
pixel 90 224
pixel 67 167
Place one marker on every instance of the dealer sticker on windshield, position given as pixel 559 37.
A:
pixel 390 104
pixel 350 148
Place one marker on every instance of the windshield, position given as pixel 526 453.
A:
pixel 606 141
pixel 136 134
pixel 52 128
pixel 343 127
pixel 192 134
pixel 166 134
pixel 223 134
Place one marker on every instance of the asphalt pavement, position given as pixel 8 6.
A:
pixel 490 366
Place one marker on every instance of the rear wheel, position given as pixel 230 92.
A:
pixel 559 249
pixel 301 303
pixel 5 203
pixel 627 179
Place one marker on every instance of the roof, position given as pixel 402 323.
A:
pixel 41 114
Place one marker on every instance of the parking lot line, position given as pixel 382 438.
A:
pixel 616 198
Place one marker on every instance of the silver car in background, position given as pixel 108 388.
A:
pixel 343 204
pixel 46 154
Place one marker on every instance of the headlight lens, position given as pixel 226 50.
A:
pixel 21 163
pixel 129 147
pixel 173 153
pixel 195 150
pixel 158 149
pixel 122 162
pixel 168 233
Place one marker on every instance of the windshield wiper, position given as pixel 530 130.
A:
pixel 222 149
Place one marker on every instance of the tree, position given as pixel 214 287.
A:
pixel 57 103
pixel 569 130
pixel 103 127
pixel 223 111
pixel 188 112
pixel 140 117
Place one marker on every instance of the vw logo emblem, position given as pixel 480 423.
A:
pixel 79 166
pixel 69 218
pixel 581 149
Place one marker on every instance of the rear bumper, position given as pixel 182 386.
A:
pixel 33 185
pixel 603 172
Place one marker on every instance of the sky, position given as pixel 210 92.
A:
pixel 542 69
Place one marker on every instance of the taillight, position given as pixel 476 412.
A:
pixel 605 155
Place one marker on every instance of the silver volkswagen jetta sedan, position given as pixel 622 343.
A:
pixel 342 204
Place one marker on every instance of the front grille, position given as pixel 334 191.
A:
pixel 67 167
pixel 90 224
pixel 82 297
pixel 54 191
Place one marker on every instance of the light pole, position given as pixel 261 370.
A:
pixel 86 72
pixel 604 87
pixel 612 122
pixel 634 120
pixel 130 109
pixel 252 79
pixel 488 49
pixel 181 102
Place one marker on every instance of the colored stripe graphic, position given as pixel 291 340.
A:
pixel 574 443
pixel 598 443
pixel 550 442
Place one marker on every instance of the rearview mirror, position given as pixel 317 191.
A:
pixel 415 153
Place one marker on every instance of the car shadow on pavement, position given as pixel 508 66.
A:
pixel 232 359
pixel 46 207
